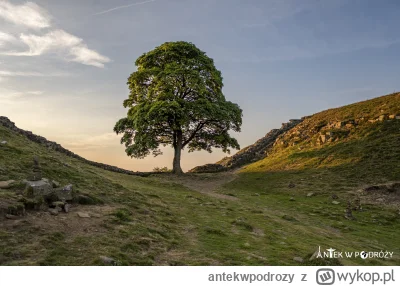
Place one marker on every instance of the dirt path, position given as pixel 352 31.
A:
pixel 206 184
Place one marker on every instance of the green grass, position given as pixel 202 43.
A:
pixel 154 221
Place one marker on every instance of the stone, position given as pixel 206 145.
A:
pixel 298 259
pixel 6 184
pixel 392 116
pixel 322 139
pixel 38 188
pixel 310 194
pixel 65 193
pixel 108 260
pixel 339 124
pixel 335 202
pixel 10 216
pixel 334 197
pixel 83 215
pixel 382 117
pixel 53 212
pixel 36 172
pixel 67 207
pixel 58 204
pixel 3 142
pixel 291 199
pixel 55 184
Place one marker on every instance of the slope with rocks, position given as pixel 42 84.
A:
pixel 324 128
pixel 249 154
pixel 7 123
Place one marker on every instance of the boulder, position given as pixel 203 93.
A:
pixel 65 193
pixel 67 207
pixel 9 216
pixel 298 259
pixel 53 212
pixel 83 215
pixel 310 194
pixel 6 184
pixel 44 188
pixel 3 142
pixel 38 188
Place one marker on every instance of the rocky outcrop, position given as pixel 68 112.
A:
pixel 209 168
pixel 57 147
pixel 249 154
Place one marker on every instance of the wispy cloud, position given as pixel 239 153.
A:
pixel 28 14
pixel 8 73
pixel 57 41
pixel 9 94
pixel 124 6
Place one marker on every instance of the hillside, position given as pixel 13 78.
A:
pixel 330 180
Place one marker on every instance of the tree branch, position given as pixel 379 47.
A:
pixel 198 128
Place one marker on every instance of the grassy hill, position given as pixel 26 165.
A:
pixel 267 213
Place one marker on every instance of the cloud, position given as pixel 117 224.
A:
pixel 9 94
pixel 6 38
pixel 82 54
pixel 56 41
pixel 28 14
pixel 124 6
pixel 5 73
pixel 61 42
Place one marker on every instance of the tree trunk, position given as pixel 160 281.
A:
pixel 176 166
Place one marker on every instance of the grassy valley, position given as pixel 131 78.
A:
pixel 276 211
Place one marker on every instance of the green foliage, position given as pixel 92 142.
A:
pixel 176 99
pixel 162 170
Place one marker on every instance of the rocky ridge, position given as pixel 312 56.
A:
pixel 249 154
pixel 4 121
pixel 308 130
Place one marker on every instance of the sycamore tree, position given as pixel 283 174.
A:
pixel 176 99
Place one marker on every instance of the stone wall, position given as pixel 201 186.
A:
pixel 57 147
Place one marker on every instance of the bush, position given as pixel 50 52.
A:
pixel 162 170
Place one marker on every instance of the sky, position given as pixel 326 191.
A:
pixel 64 64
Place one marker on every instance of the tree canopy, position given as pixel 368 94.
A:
pixel 176 99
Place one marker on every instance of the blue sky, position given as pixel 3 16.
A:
pixel 64 64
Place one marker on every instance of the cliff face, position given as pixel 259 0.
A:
pixel 249 154
pixel 57 147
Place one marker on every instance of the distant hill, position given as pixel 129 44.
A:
pixel 351 132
